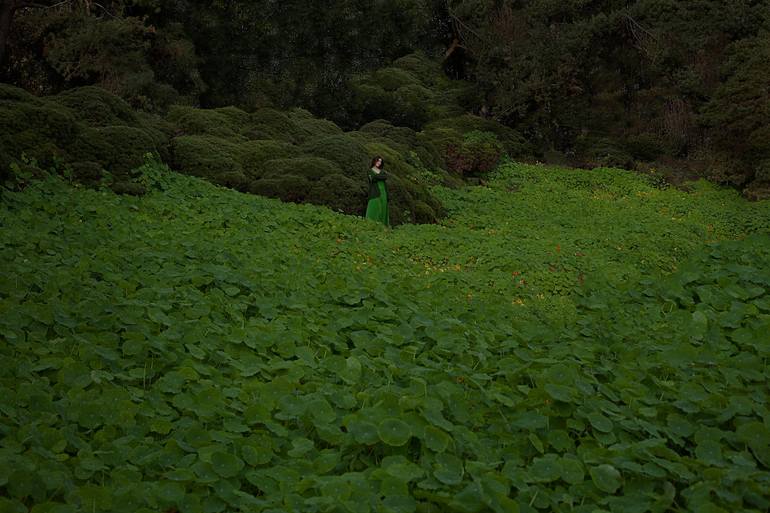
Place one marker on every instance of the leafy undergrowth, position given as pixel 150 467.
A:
pixel 573 341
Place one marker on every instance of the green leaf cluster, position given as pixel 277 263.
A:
pixel 201 350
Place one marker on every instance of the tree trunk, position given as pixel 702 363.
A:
pixel 7 8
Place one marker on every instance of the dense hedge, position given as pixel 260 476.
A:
pixel 414 120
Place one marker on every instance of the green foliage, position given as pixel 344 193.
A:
pixel 411 92
pixel 254 154
pixel 312 168
pixel 215 122
pixel 72 45
pixel 210 157
pixel 478 153
pixel 236 353
pixel 273 124
pixel 603 151
pixel 311 126
pixel 97 107
pixel 350 155
pixel 739 109
pixel 84 129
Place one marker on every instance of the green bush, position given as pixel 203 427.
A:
pixel 97 106
pixel 119 149
pixel 391 79
pixel 478 152
pixel 210 157
pixel 192 121
pixel 290 188
pixel 267 123
pixel 310 168
pixel 340 193
pixel 254 154
pixel 425 70
pixel 402 136
pixel 596 151
pixel 310 128
pixel 513 142
pixel 645 147
pixel 348 153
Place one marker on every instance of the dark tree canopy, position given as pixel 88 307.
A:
pixel 591 82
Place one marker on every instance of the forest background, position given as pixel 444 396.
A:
pixel 652 84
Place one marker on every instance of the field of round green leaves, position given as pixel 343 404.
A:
pixel 563 341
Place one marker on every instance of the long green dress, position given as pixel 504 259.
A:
pixel 377 208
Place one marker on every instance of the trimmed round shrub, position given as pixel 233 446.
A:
pixel 438 140
pixel 340 193
pixel 513 142
pixel 254 154
pixel 269 123
pixel 478 153
pixel 391 79
pixel 51 123
pixel 310 168
pixel 87 172
pixel 97 106
pixel 346 152
pixel 206 156
pixel 421 67
pixel 311 127
pixel 192 121
pixel 290 188
pixel 119 149
pixel 15 94
pixel 402 136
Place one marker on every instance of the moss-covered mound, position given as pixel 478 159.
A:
pixel 84 132
pixel 410 92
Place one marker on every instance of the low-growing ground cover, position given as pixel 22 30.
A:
pixel 564 341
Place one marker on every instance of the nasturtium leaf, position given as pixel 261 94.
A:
pixel 160 425
pixel 709 452
pixel 495 495
pixel 94 498
pixel 606 478
pixel 226 464
pixel 399 504
pixel 545 469
pixel 393 485
pixel 363 432
pixel 180 474
pixel 231 290
pixel 536 442
pixel 571 470
pixel 560 392
pixel 12 506
pixel 321 411
pixel 169 492
pixel 326 461
pixel 435 439
pixel 401 468
pixel 529 420
pixel 24 483
pixel 251 455
pixel 600 422
pixel 448 469
pixel 351 373
pixel 300 446
pixel 393 431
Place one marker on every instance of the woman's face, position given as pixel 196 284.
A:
pixel 378 163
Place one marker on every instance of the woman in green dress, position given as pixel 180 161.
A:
pixel 377 208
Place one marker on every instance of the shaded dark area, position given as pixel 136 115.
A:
pixel 675 87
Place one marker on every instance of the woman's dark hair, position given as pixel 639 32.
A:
pixel 375 159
